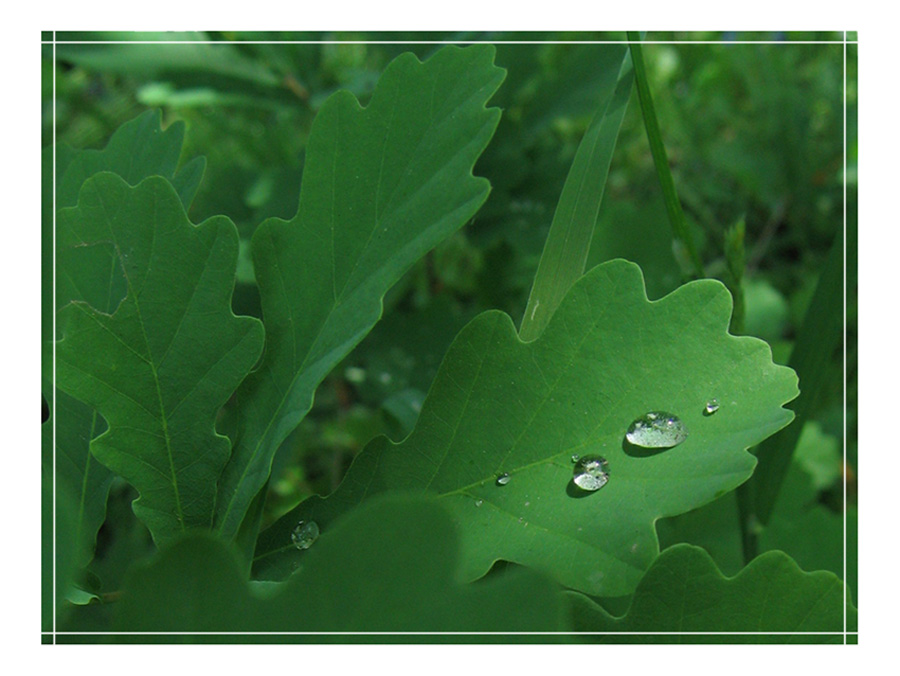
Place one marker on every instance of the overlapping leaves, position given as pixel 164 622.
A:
pixel 197 585
pixel 381 186
pixel 684 593
pixel 159 368
pixel 499 405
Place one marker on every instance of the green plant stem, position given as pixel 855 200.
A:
pixel 660 159
pixel 817 339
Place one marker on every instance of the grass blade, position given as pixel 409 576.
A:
pixel 660 159
pixel 819 336
pixel 565 252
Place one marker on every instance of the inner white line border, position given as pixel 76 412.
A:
pixel 845 42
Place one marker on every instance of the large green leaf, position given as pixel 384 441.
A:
pixel 388 567
pixel 161 366
pixel 138 149
pixel 498 404
pixel 381 186
pixel 684 592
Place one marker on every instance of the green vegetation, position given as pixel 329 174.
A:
pixel 334 320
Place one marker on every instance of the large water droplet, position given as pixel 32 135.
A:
pixel 305 534
pixel 591 473
pixel 656 429
pixel 503 479
pixel 711 407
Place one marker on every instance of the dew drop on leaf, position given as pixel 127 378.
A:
pixel 711 407
pixel 503 479
pixel 575 457
pixel 591 473
pixel 479 503
pixel 656 429
pixel 305 534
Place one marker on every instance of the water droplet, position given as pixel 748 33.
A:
pixel 479 503
pixel 575 457
pixel 656 429
pixel 305 534
pixel 503 479
pixel 711 407
pixel 591 473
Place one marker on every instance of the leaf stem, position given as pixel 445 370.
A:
pixel 660 159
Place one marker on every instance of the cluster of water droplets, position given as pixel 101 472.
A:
pixel 654 429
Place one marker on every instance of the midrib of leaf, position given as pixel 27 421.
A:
pixel 163 420
pixel 82 497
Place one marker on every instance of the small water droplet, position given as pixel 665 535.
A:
pixel 711 407
pixel 591 473
pixel 305 534
pixel 479 503
pixel 503 479
pixel 656 429
pixel 575 457
pixel 527 504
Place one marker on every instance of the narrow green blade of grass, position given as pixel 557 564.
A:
pixel 819 336
pixel 566 249
pixel 660 159
pixel 735 259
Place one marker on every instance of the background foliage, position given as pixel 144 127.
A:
pixel 755 143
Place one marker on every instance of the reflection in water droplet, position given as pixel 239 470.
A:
pixel 503 479
pixel 656 429
pixel 591 473
pixel 305 534
pixel 711 407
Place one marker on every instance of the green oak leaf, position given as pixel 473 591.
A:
pixel 391 566
pixel 608 356
pixel 138 149
pixel 159 368
pixel 684 591
pixel 381 186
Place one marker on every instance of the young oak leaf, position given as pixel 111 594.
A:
pixel 500 405
pixel 138 149
pixel 381 186
pixel 684 591
pixel 399 578
pixel 159 368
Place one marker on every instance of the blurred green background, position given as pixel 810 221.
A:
pixel 754 133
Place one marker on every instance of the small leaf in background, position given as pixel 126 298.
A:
pixel 162 365
pixel 684 592
pixel 138 149
pixel 381 186
pixel 499 405
pixel 402 576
